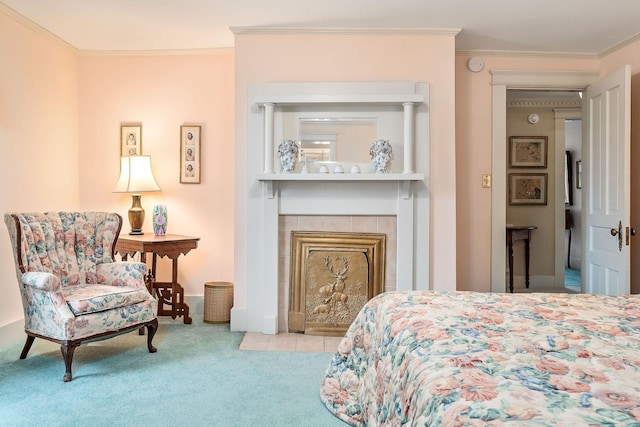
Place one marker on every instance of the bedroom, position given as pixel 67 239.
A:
pixel 204 83
pixel 201 87
pixel 66 110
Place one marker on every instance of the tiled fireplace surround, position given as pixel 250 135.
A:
pixel 346 223
pixel 396 203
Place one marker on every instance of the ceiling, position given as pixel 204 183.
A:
pixel 583 27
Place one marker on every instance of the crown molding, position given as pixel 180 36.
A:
pixel 340 30
pixel 20 19
pixel 619 46
pixel 559 55
pixel 544 103
pixel 159 52
pixel 526 54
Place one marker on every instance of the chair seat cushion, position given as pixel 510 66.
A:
pixel 93 298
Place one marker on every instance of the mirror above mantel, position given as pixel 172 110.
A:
pixel 336 139
pixel 341 133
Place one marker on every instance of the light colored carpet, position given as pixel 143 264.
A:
pixel 572 279
pixel 198 377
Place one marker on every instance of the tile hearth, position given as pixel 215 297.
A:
pixel 289 342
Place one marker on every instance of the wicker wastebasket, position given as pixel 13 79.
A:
pixel 218 300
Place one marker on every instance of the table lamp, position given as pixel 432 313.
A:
pixel 136 177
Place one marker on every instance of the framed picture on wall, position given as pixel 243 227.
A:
pixel 130 140
pixel 528 188
pixel 190 154
pixel 528 151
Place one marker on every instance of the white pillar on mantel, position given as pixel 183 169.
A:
pixel 268 137
pixel 408 137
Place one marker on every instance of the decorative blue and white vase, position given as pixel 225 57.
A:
pixel 381 154
pixel 160 220
pixel 288 151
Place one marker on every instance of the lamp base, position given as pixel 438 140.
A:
pixel 136 215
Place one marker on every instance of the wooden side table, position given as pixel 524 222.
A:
pixel 172 246
pixel 515 233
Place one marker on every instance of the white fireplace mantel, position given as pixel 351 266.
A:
pixel 408 95
pixel 403 193
pixel 403 179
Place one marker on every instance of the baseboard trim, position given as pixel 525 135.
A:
pixel 541 283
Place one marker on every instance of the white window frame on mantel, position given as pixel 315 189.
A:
pixel 347 94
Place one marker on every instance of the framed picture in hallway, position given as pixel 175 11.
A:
pixel 130 140
pixel 528 188
pixel 528 151
pixel 190 154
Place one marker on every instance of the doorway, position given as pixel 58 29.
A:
pixel 502 81
pixel 546 121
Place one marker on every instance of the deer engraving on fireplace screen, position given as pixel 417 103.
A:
pixel 332 276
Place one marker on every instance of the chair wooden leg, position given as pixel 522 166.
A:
pixel 152 327
pixel 67 349
pixel 27 346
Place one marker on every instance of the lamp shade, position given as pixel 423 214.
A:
pixel 136 175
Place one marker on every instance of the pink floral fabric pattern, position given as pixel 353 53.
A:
pixel 467 359
pixel 71 287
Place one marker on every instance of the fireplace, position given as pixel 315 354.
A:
pixel 332 276
pixel 400 198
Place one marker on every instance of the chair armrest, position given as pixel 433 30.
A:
pixel 48 313
pixel 41 280
pixel 122 273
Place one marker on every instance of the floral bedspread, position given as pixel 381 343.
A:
pixel 464 358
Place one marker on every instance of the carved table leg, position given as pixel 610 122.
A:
pixel 526 263
pixel 510 255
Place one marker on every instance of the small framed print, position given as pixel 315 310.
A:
pixel 190 154
pixel 528 151
pixel 528 188
pixel 130 140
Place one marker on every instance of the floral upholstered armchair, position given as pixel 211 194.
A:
pixel 72 289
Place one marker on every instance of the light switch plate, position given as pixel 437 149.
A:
pixel 486 181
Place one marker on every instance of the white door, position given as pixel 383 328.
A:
pixel 606 183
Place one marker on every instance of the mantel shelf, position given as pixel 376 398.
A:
pixel 404 180
pixel 341 177
pixel 340 99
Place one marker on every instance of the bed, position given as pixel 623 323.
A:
pixel 466 358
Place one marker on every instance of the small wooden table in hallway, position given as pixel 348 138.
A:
pixel 515 233
pixel 172 246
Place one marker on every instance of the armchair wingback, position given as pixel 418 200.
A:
pixel 72 288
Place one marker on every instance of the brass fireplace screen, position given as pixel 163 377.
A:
pixel 332 276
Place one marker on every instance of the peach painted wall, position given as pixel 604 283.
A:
pixel 355 57
pixel 38 137
pixel 473 157
pixel 163 93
